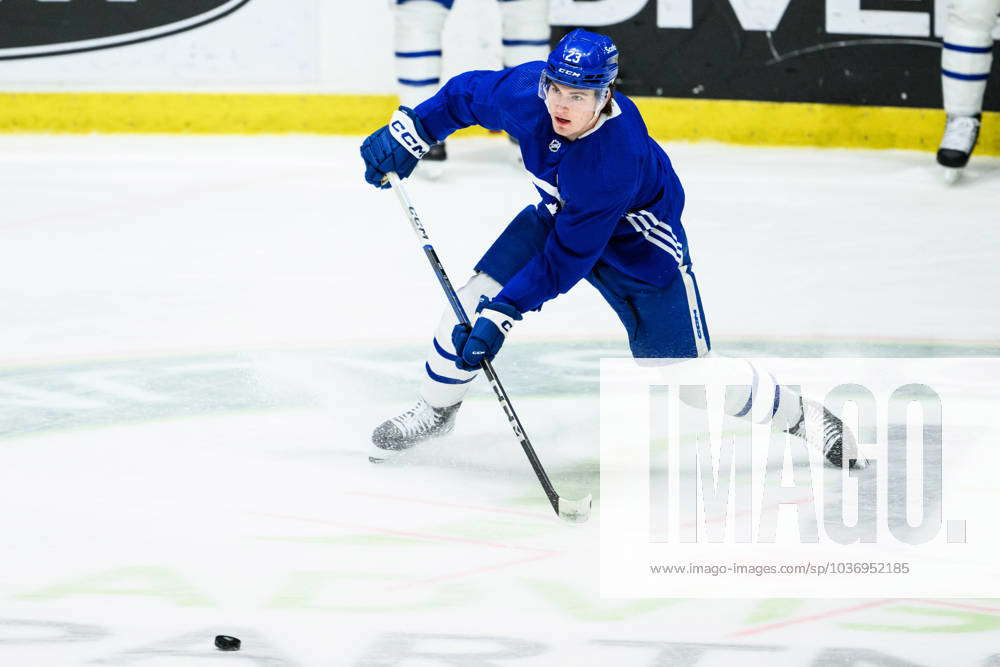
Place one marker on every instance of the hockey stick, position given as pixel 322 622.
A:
pixel 570 510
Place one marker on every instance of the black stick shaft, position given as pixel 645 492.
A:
pixel 463 318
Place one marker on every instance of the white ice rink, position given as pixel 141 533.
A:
pixel 200 333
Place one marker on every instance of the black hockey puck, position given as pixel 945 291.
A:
pixel 227 643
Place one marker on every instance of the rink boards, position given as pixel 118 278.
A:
pixel 668 119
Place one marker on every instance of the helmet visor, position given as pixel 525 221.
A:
pixel 578 99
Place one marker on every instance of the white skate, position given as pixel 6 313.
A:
pixel 960 136
pixel 822 429
pixel 419 423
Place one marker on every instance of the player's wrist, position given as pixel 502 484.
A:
pixel 499 314
pixel 503 305
pixel 502 308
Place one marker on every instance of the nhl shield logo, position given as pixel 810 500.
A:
pixel 555 145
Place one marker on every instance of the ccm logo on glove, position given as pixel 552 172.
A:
pixel 405 132
pixel 395 147
pixel 402 135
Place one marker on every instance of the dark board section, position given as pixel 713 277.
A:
pixel 798 62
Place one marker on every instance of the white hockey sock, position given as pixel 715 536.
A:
pixel 419 24
pixel 444 383
pixel 758 398
pixel 525 32
pixel 966 56
pixel 764 400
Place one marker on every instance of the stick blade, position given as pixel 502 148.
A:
pixel 575 511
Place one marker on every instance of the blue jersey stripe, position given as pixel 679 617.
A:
pixel 445 380
pixel 967 49
pixel 965 77
pixel 418 54
pixel 419 82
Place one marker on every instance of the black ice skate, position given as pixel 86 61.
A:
pixel 432 164
pixel 419 423
pixel 960 135
pixel 816 420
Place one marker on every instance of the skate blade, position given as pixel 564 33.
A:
pixel 951 176
pixel 378 455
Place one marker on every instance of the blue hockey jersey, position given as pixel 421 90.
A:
pixel 611 195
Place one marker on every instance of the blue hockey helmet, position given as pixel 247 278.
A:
pixel 583 59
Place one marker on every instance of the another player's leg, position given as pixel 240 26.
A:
pixel 525 31
pixel 419 24
pixel 966 58
pixel 444 385
pixel 525 35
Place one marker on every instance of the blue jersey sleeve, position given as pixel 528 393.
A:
pixel 478 97
pixel 596 193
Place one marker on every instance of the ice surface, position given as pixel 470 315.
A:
pixel 200 333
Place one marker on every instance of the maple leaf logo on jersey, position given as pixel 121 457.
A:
pixel 555 145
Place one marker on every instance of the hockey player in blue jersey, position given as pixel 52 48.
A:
pixel 610 214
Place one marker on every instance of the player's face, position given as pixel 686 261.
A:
pixel 573 110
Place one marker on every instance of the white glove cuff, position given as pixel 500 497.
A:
pixel 405 132
pixel 503 322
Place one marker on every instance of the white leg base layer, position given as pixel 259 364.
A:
pixel 439 394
